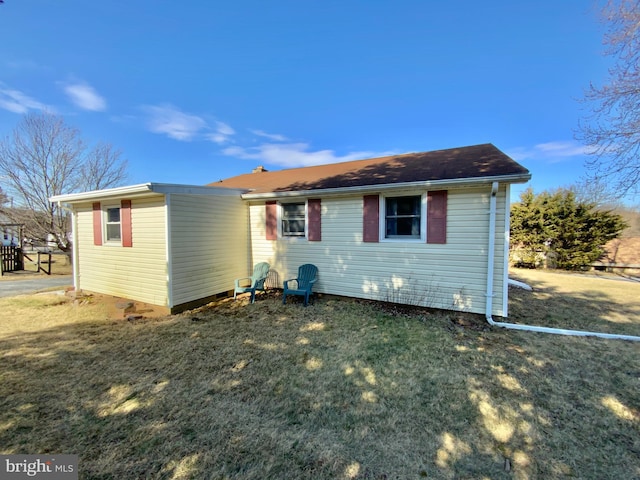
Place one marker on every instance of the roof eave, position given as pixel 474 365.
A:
pixel 457 182
pixel 144 189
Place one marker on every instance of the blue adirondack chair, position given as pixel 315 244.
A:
pixel 256 281
pixel 307 276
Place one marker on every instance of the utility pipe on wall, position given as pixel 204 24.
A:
pixel 515 326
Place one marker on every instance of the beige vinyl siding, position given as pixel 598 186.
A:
pixel 138 272
pixel 208 245
pixel 450 276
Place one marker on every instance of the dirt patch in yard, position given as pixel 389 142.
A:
pixel 118 307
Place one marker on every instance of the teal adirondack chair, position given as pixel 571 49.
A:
pixel 260 272
pixel 307 276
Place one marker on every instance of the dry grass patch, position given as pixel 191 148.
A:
pixel 60 263
pixel 43 311
pixel 584 302
pixel 341 389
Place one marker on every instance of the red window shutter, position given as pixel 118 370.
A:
pixel 314 214
pixel 437 217
pixel 371 219
pixel 125 223
pixel 271 220
pixel 97 224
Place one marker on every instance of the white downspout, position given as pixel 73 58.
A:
pixel 168 247
pixel 75 258
pixel 515 326
pixel 74 247
pixel 491 250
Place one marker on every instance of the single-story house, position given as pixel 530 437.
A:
pixel 427 229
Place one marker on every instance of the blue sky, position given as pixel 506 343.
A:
pixel 196 91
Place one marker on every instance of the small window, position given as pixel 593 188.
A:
pixel 403 217
pixel 112 224
pixel 293 216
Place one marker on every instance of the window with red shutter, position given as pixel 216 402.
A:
pixel 294 220
pixel 407 218
pixel 112 224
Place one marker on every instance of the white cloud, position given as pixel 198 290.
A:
pixel 271 136
pixel 561 149
pixel 294 155
pixel 25 65
pixel 168 120
pixel 85 97
pixel 552 152
pixel 221 134
pixel 17 102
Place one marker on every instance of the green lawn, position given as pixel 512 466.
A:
pixel 341 389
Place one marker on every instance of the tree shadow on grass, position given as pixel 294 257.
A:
pixel 562 406
pixel 339 389
pixel 554 406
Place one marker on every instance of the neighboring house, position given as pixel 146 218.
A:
pixel 10 232
pixel 9 239
pixel 428 229
pixel 621 255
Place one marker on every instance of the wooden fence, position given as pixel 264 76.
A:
pixel 12 259
pixel 40 261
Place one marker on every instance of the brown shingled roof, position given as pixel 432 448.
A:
pixel 622 251
pixel 476 161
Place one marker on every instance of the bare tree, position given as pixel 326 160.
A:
pixel 595 191
pixel 612 131
pixel 44 157
pixel 103 167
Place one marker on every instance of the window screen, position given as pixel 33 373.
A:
pixel 293 219
pixel 402 217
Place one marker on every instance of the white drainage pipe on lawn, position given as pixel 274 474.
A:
pixel 515 326
pixel 521 285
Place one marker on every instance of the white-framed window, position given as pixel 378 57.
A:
pixel 112 224
pixel 404 217
pixel 293 220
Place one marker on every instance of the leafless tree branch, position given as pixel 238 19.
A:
pixel 612 131
pixel 44 157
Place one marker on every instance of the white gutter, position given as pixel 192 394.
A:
pixel 148 189
pixel 515 326
pixel 109 192
pixel 456 182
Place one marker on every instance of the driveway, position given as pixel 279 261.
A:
pixel 9 288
